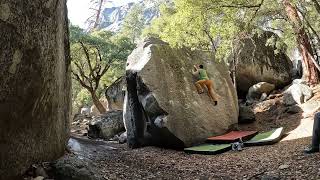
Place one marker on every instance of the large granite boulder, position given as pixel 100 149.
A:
pixel 258 62
pixel 298 93
pixel 106 125
pixel 34 83
pixel 162 106
pixel 115 94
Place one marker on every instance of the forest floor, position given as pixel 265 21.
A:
pixel 284 160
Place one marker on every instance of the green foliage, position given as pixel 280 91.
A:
pixel 133 23
pixel 105 49
pixel 83 98
pixel 80 97
pixel 197 24
pixel 194 23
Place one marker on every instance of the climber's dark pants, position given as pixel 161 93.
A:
pixel 316 131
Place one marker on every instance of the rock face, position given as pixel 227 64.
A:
pixel 298 92
pixel 259 63
pixel 256 91
pixel 115 94
pixel 35 83
pixel 162 106
pixel 113 18
pixel 107 125
pixel 72 167
pixel 246 114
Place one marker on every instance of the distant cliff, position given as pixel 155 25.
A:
pixel 112 18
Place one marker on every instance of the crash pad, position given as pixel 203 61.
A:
pixel 232 136
pixel 265 138
pixel 209 149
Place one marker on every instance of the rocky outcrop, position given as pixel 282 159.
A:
pixel 35 83
pixel 297 93
pixel 258 62
pixel 107 125
pixel 162 106
pixel 115 94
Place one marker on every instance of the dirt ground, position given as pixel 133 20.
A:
pixel 284 160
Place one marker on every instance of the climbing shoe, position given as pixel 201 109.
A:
pixel 215 103
pixel 311 150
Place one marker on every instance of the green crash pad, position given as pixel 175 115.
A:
pixel 266 138
pixel 209 149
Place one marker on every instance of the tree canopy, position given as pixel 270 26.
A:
pixel 98 58
pixel 216 24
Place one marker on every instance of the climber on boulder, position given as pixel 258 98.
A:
pixel 203 82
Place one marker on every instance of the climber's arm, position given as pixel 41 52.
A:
pixel 195 70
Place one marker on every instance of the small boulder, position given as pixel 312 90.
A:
pixel 259 91
pixel 85 111
pixel 107 125
pixel 246 114
pixel 284 166
pixel 123 138
pixel 294 109
pixel 298 92
pixel 73 168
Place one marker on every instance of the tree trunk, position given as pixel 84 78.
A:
pixel 97 103
pixel 310 72
pixel 97 21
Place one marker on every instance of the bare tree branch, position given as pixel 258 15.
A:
pixel 213 45
pixel 83 75
pixel 85 50
pixel 238 6
pixel 83 84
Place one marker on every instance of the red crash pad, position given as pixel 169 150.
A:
pixel 232 136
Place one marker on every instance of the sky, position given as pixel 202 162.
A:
pixel 79 12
